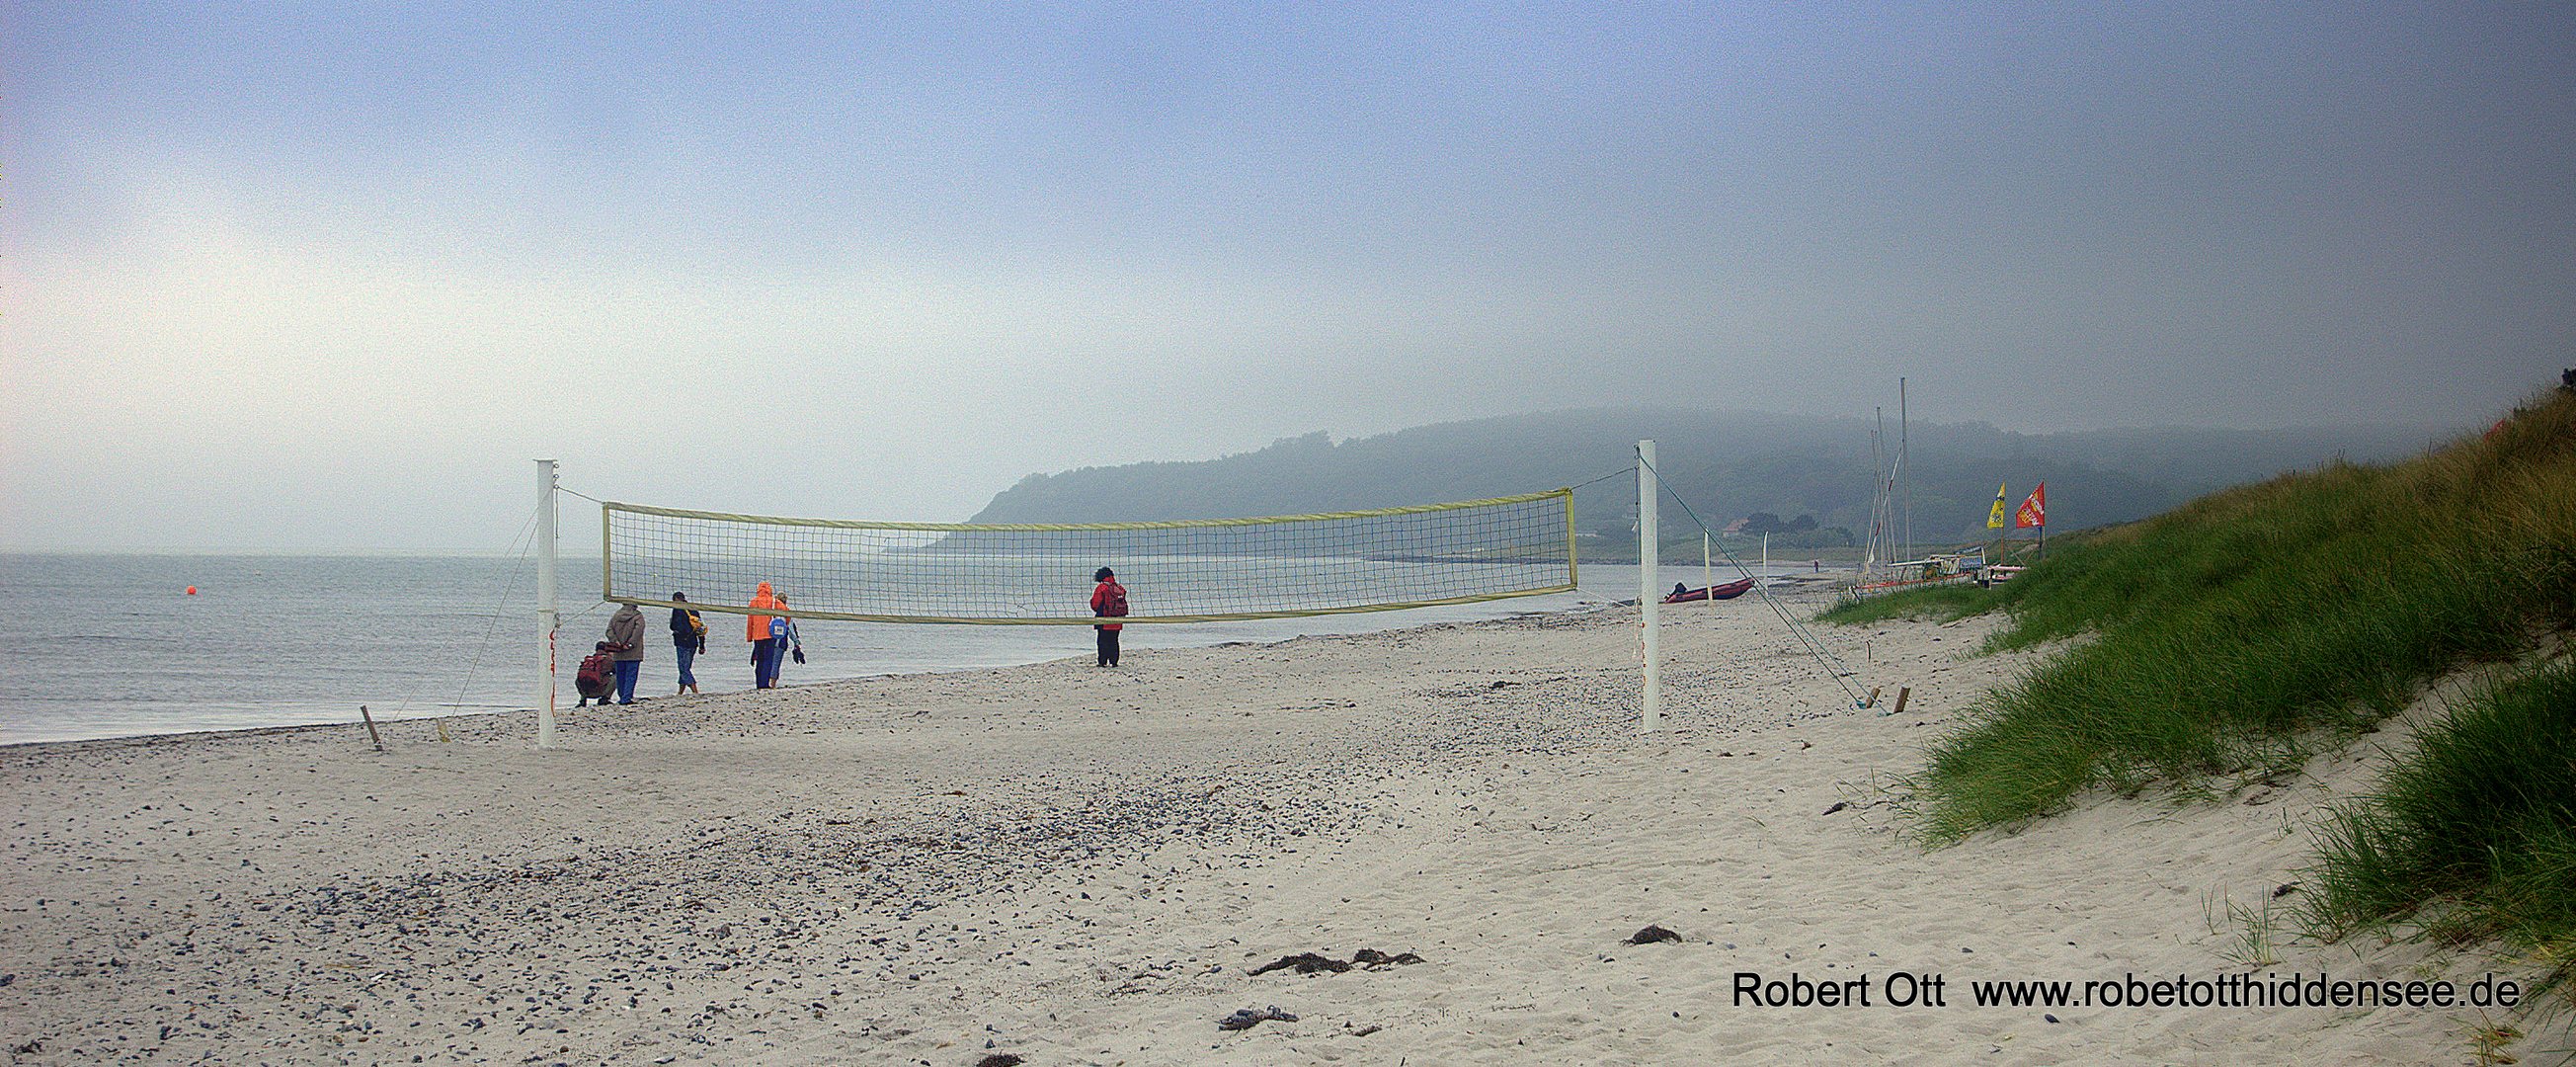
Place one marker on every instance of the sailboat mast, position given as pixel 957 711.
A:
pixel 1879 493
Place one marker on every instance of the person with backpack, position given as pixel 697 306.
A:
pixel 626 635
pixel 782 628
pixel 688 638
pixel 1108 600
pixel 597 677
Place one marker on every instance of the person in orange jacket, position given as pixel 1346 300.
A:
pixel 764 647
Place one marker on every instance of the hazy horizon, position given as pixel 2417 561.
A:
pixel 304 278
pixel 580 522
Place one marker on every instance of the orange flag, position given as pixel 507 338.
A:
pixel 2034 508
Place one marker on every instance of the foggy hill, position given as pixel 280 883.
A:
pixel 1725 465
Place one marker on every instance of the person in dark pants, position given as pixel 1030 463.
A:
pixel 626 632
pixel 688 639
pixel 786 643
pixel 1108 600
pixel 764 647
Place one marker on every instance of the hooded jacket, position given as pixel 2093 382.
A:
pixel 626 629
pixel 758 628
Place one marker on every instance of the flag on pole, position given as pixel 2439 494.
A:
pixel 1995 518
pixel 2034 508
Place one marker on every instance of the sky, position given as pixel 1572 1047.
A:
pixel 324 276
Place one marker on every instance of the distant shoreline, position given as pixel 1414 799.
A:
pixel 659 672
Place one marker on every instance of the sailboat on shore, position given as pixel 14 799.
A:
pixel 1883 567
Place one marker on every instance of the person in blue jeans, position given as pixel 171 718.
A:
pixel 688 638
pixel 626 635
pixel 757 630
pixel 784 642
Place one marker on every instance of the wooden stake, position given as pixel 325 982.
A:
pixel 371 727
pixel 1873 698
pixel 1902 692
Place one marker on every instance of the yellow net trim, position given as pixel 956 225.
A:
pixel 1039 574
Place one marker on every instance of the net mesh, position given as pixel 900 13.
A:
pixel 1040 574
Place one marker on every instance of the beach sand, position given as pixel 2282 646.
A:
pixel 1081 866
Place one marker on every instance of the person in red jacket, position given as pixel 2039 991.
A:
pixel 1108 600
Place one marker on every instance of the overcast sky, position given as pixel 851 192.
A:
pixel 284 276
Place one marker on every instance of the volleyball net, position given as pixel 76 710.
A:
pixel 1200 570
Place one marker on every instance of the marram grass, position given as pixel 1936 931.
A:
pixel 2225 635
pixel 2473 834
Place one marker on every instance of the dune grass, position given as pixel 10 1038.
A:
pixel 2472 834
pixel 2229 634
pixel 1940 603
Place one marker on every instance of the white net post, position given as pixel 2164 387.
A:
pixel 547 620
pixel 1648 598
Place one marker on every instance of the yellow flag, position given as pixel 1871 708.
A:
pixel 1995 519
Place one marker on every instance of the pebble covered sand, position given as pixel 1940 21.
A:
pixel 1060 864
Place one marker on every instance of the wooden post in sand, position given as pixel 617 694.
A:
pixel 1649 595
pixel 1707 569
pixel 371 727
pixel 1902 693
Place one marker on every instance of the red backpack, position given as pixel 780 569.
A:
pixel 597 676
pixel 1114 605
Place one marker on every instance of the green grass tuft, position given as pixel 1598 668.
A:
pixel 1940 603
pixel 2474 833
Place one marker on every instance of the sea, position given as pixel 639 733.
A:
pixel 117 646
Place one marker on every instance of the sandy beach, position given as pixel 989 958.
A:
pixel 1070 865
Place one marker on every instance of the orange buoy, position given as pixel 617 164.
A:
pixel 192 590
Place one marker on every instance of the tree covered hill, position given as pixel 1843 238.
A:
pixel 1724 464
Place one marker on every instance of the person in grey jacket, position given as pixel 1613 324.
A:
pixel 626 636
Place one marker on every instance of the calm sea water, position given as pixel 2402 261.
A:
pixel 113 646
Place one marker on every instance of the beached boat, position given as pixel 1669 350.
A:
pixel 1721 591
pixel 1930 570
